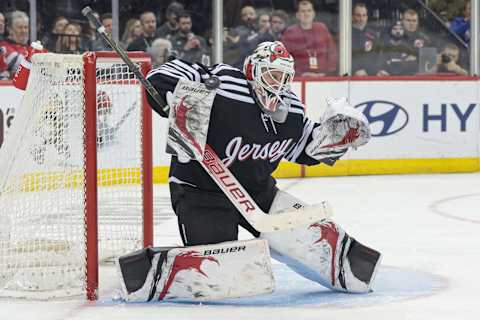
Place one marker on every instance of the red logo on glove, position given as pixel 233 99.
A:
pixel 351 135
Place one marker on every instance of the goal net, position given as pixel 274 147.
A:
pixel 75 180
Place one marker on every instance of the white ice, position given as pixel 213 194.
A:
pixel 426 226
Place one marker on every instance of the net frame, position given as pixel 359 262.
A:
pixel 87 64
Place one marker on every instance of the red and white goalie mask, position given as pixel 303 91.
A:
pixel 270 70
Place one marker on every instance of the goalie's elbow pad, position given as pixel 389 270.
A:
pixel 20 79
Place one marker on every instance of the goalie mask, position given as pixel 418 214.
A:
pixel 270 70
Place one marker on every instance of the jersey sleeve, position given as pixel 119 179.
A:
pixel 165 78
pixel 297 152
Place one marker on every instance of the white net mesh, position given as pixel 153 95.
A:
pixel 42 191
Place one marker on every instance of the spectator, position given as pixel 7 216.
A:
pixel 397 57
pixel 231 47
pixel 279 23
pixel 448 61
pixel 414 37
pixel 160 50
pixel 189 46
pixel 90 33
pixel 49 41
pixel 248 22
pixel 149 26
pixel 264 25
pixel 263 35
pixel 99 44
pixel 461 25
pixel 2 26
pixel 133 31
pixel 236 40
pixel 16 44
pixel 364 43
pixel 310 43
pixel 69 41
pixel 170 27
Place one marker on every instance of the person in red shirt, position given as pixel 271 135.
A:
pixel 310 43
pixel 16 44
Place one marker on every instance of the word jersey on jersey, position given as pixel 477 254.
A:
pixel 248 140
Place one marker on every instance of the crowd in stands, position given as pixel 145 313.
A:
pixel 401 48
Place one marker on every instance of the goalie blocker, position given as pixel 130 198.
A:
pixel 210 272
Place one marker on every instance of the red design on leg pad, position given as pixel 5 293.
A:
pixel 330 234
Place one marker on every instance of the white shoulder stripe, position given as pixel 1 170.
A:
pixel 162 71
pixel 239 81
pixel 233 87
pixel 296 103
pixel 233 79
pixel 186 67
pixel 165 72
pixel 222 66
pixel 178 72
pixel 291 97
pixel 235 96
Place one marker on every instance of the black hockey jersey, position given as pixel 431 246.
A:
pixel 250 143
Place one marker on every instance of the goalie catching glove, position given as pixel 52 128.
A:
pixel 341 127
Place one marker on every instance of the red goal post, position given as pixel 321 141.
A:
pixel 90 72
pixel 77 185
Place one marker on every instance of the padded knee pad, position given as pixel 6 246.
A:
pixel 323 252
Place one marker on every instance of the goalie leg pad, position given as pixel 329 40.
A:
pixel 208 272
pixel 323 252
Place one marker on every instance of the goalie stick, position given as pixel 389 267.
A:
pixel 223 177
pixel 280 220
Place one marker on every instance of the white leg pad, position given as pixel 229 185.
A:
pixel 323 252
pixel 209 272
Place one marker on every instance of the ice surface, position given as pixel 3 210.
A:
pixel 426 226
